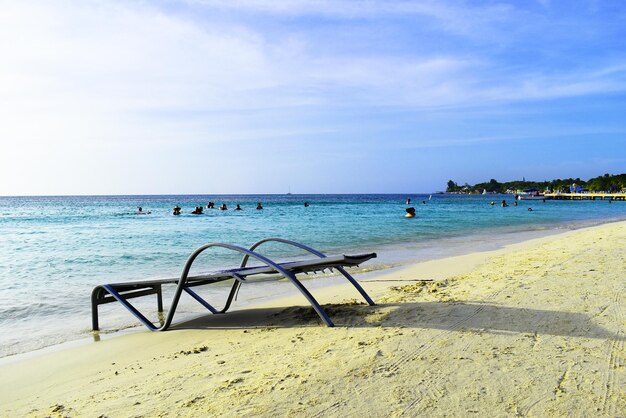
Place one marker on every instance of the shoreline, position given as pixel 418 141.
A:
pixel 532 312
pixel 54 251
pixel 396 257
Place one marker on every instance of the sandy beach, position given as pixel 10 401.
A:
pixel 533 329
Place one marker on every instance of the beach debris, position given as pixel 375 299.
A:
pixel 192 401
pixel 435 288
pixel 411 288
pixel 227 384
pixel 57 408
pixel 196 350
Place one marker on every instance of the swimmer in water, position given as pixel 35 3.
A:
pixel 504 204
pixel 410 213
pixel 259 206
pixel 530 209
pixel 408 201
pixel 238 207
pixel 223 207
pixel 306 204
pixel 176 210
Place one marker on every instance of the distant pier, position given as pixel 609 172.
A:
pixel 585 196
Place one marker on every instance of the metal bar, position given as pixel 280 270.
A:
pixel 95 295
pixel 159 298
pixel 205 282
pixel 357 285
pixel 317 253
pixel 109 299
pixel 231 295
pixel 130 307
pixel 200 300
pixel 233 292
pixel 284 241
pixel 311 300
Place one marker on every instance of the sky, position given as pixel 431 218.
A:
pixel 310 96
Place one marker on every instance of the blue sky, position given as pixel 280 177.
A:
pixel 250 96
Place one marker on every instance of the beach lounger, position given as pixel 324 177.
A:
pixel 270 270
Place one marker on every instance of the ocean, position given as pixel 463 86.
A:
pixel 54 250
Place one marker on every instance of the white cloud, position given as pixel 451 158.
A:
pixel 93 80
pixel 97 62
pixel 94 70
pixel 457 17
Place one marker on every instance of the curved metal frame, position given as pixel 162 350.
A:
pixel 312 251
pixel 247 253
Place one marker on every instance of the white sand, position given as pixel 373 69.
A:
pixel 535 329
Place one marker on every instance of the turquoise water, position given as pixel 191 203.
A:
pixel 54 250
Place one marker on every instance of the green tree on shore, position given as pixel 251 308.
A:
pixel 605 183
pixel 452 187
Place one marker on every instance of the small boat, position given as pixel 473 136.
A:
pixel 530 194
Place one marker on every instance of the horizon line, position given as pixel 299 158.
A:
pixel 222 194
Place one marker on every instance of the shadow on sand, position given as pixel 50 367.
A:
pixel 434 315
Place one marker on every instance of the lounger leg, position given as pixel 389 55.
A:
pixel 311 300
pixel 94 318
pixel 159 297
pixel 94 309
pixel 231 295
pixel 357 285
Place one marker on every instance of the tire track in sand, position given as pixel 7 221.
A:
pixel 409 356
pixel 541 320
pixel 432 391
pixel 412 355
pixel 614 359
